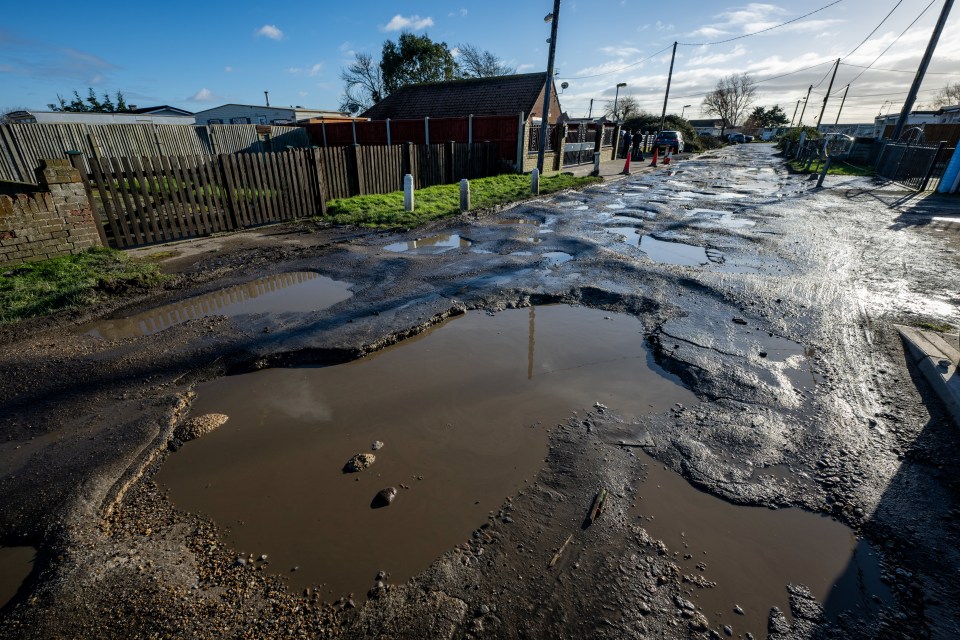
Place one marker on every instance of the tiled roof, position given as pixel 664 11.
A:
pixel 501 95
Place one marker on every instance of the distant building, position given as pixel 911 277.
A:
pixel 712 127
pixel 87 117
pixel 496 96
pixel 949 115
pixel 161 110
pixel 858 130
pixel 256 114
pixel 914 119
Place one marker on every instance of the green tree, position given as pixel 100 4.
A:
pixel 91 103
pixel 415 59
pixel 761 118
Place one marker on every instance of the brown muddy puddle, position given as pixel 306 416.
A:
pixel 16 563
pixel 432 244
pixel 752 553
pixel 462 411
pixel 300 291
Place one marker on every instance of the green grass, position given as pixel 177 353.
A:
pixel 935 326
pixel 837 168
pixel 443 200
pixel 39 288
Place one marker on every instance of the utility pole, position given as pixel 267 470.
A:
pixel 842 102
pixel 804 110
pixel 827 96
pixel 922 69
pixel 795 109
pixel 590 113
pixel 545 116
pixel 266 94
pixel 663 116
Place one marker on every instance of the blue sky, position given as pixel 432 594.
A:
pixel 199 55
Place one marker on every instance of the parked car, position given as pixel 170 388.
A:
pixel 747 138
pixel 671 139
pixel 736 138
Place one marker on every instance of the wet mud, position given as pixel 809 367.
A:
pixel 16 563
pixel 462 412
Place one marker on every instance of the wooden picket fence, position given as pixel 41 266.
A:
pixel 147 200
pixel 22 146
pixel 151 199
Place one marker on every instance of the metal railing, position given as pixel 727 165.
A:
pixel 533 144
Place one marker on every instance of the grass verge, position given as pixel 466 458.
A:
pixel 837 168
pixel 386 210
pixel 935 326
pixel 39 288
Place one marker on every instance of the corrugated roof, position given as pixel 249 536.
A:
pixel 497 96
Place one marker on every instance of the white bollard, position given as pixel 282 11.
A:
pixel 535 182
pixel 408 192
pixel 464 195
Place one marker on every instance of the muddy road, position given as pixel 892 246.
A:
pixel 710 347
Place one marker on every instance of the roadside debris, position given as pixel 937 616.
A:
pixel 359 462
pixel 200 426
pixel 598 505
pixel 556 556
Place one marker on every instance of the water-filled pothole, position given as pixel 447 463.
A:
pixel 720 218
pixel 462 411
pixel 16 563
pixel 673 252
pixel 752 553
pixel 431 244
pixel 300 291
pixel 557 257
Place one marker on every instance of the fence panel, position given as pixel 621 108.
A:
pixel 917 166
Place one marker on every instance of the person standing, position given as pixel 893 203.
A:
pixel 637 150
pixel 627 140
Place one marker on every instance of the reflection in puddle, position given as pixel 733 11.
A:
pixel 721 218
pixel 630 235
pixel 518 221
pixel 752 553
pixel 16 563
pixel 461 411
pixel 557 257
pixel 673 252
pixel 432 244
pixel 300 291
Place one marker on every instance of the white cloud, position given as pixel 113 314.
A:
pixel 717 58
pixel 315 69
pixel 302 94
pixel 204 95
pixel 228 69
pixel 620 51
pixel 462 13
pixel 401 23
pixel 526 66
pixel 270 31
pixel 294 70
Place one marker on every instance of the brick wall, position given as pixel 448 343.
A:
pixel 53 222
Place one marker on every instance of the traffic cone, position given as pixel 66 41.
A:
pixel 656 151
pixel 626 165
pixel 667 158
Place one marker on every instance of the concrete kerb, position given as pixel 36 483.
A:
pixel 936 356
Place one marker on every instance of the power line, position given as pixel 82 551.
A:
pixel 894 41
pixel 910 71
pixel 875 29
pixel 747 35
pixel 606 73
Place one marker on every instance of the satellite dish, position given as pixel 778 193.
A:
pixel 564 85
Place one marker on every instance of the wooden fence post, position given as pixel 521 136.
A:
pixel 448 163
pixel 76 159
pixel 388 132
pixel 407 160
pixel 356 169
pixel 233 210
pixel 521 133
pixel 426 132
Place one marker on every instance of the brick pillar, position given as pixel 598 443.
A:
pixel 561 132
pixel 68 191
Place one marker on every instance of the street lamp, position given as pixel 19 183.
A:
pixel 616 96
pixel 552 18
pixel 684 109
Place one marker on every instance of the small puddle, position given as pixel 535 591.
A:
pixel 300 291
pixel 720 218
pixel 752 553
pixel 462 410
pixel 432 244
pixel 557 257
pixel 16 563
pixel 673 252
pixel 519 221
pixel 630 235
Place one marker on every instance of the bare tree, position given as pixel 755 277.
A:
pixel 475 62
pixel 627 106
pixel 948 95
pixel 731 99
pixel 364 87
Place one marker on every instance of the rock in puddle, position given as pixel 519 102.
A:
pixel 200 426
pixel 359 462
pixel 384 498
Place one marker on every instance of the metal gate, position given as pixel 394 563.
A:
pixel 917 166
pixel 580 144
